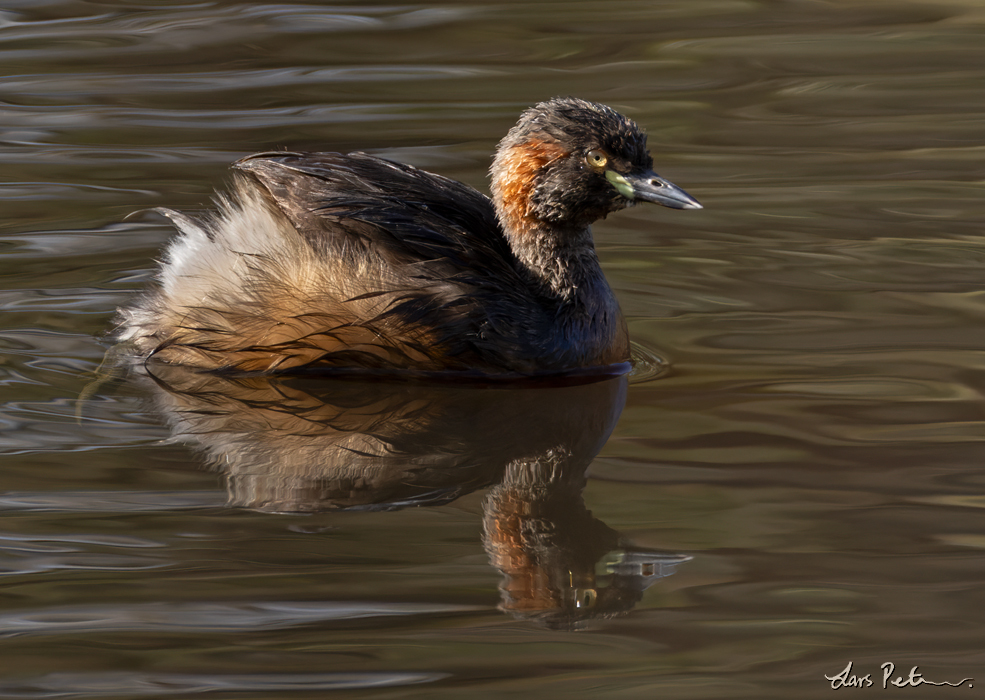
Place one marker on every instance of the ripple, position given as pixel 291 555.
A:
pixel 64 424
pixel 84 685
pixel 123 541
pixel 111 501
pixel 34 564
pixel 80 155
pixel 76 243
pixel 200 27
pixel 205 617
pixel 21 191
pixel 84 86
pixel 647 365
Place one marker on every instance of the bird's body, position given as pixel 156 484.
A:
pixel 322 260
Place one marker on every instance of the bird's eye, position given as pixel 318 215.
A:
pixel 597 159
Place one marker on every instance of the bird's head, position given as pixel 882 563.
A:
pixel 571 162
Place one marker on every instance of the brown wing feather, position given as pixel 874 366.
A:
pixel 344 261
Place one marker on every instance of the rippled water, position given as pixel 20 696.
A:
pixel 797 489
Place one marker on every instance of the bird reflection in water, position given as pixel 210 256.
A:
pixel 312 445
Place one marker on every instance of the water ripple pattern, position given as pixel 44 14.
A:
pixel 794 482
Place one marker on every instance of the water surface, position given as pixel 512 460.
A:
pixel 797 490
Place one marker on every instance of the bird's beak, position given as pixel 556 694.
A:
pixel 647 186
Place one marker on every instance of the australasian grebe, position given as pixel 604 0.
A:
pixel 350 261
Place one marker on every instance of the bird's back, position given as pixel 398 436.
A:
pixel 330 260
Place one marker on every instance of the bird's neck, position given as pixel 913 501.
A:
pixel 560 262
pixel 563 268
pixel 557 257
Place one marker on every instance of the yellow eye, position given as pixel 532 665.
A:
pixel 597 159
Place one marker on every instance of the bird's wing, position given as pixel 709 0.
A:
pixel 411 213
pixel 427 250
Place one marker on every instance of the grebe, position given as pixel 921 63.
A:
pixel 323 260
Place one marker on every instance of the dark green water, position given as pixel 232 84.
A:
pixel 813 445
